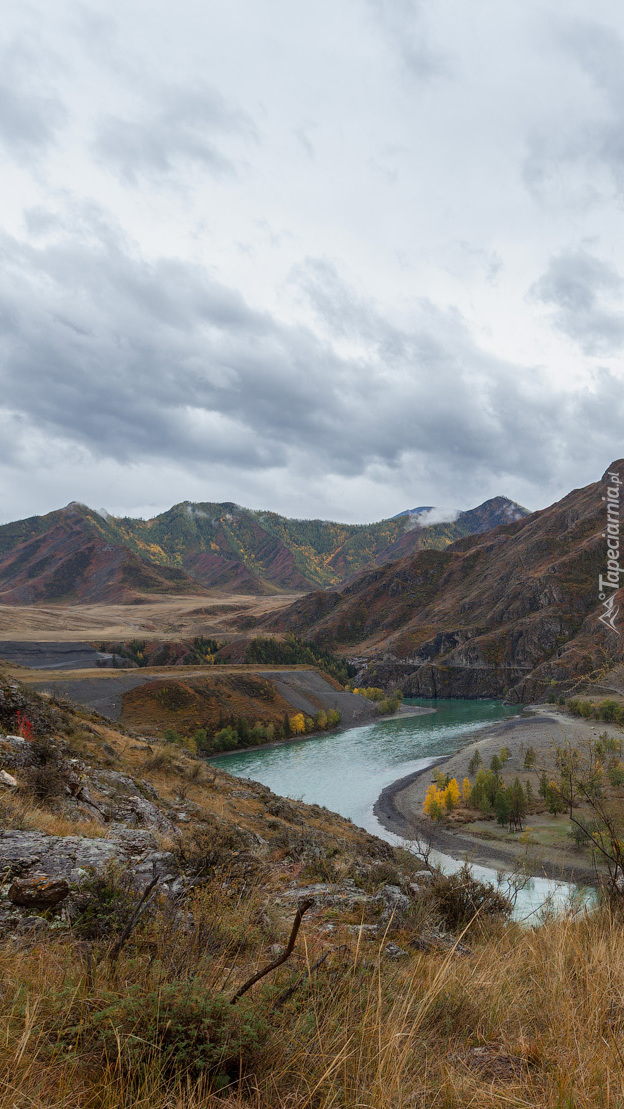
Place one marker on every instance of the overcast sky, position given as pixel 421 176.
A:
pixel 335 259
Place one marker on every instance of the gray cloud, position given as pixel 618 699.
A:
pixel 136 360
pixel 565 155
pixel 150 336
pixel 180 124
pixel 30 116
pixel 581 291
pixel 403 24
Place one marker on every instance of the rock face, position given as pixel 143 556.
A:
pixel 513 612
pixel 38 892
pixel 73 858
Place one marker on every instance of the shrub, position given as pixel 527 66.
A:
pixel 103 906
pixel 47 779
pixel 475 762
pixel 160 760
pixel 44 783
pixel 210 846
pixel 485 789
pixel 225 740
pixel 615 773
pixel 181 1028
pixel 459 897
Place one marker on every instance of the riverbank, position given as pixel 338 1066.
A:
pixel 400 806
pixel 401 713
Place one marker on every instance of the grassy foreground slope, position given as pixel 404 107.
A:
pixel 404 988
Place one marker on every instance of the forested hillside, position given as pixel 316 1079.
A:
pixel 78 554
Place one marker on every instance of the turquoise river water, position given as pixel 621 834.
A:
pixel 347 771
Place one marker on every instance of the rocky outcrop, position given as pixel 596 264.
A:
pixel 74 858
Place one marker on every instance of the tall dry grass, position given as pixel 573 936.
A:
pixel 532 1017
pixel 21 811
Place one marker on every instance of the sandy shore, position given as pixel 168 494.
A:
pixel 399 808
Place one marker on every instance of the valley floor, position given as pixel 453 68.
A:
pixel 155 618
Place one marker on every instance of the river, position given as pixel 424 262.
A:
pixel 347 771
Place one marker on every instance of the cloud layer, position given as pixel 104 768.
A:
pixel 333 262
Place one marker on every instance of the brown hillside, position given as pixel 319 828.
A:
pixel 68 563
pixel 513 612
pixel 200 703
pixel 76 554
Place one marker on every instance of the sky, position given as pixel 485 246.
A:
pixel 331 259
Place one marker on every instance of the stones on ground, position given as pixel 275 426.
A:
pixel 393 951
pixel 38 891
pixel 16 752
pixel 127 803
pixel 8 780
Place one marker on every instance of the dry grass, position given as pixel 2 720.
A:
pixel 18 811
pixel 531 1018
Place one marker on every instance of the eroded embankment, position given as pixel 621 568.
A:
pixel 208 698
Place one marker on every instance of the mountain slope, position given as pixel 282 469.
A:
pixel 70 561
pixel 77 554
pixel 511 613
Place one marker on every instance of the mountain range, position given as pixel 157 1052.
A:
pixel 513 612
pixel 77 554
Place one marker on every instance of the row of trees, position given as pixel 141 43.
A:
pixel 612 712
pixel 201 651
pixel 387 703
pixel 241 733
pixel 489 795
pixel 292 651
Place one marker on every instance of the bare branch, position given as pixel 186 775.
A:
pixel 303 908
pixel 125 935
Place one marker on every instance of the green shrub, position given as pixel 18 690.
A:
pixel 181 1029
pixel 475 762
pixel 103 905
pixel 615 773
pixel 459 897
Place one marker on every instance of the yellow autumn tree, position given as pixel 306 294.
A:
pixel 432 794
pixel 451 795
pixel 466 790
pixel 297 724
